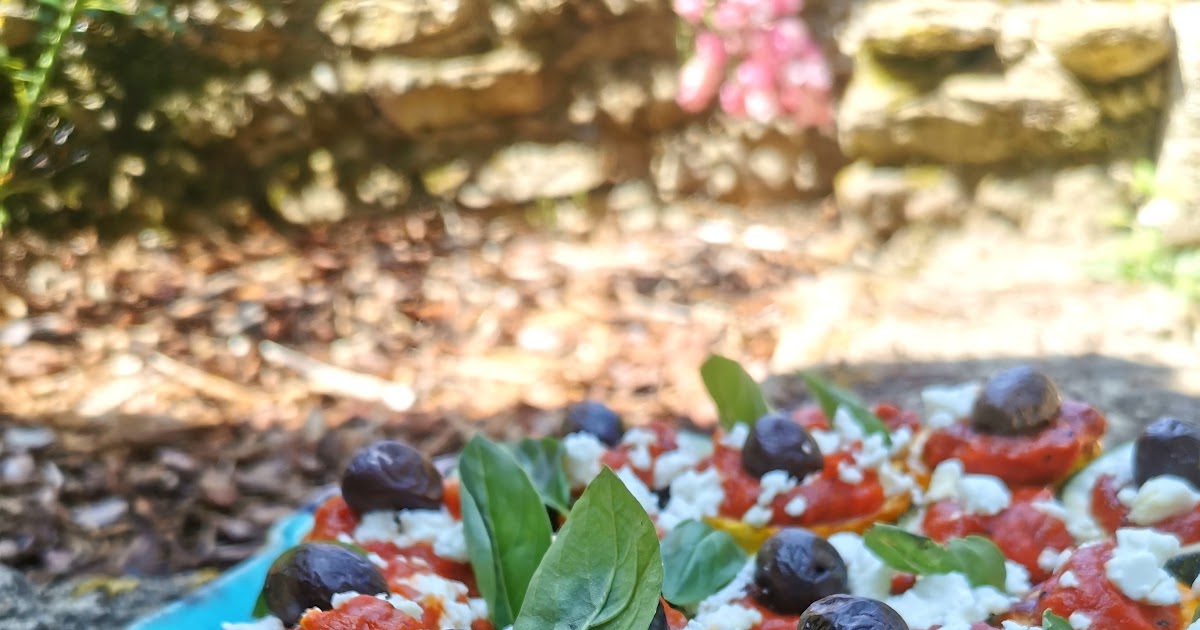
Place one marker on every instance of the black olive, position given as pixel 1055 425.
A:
pixel 1168 446
pixel 595 418
pixel 776 442
pixel 659 622
pixel 310 574
pixel 847 612
pixel 795 568
pixel 390 475
pixel 1016 401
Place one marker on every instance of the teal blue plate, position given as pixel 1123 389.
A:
pixel 231 597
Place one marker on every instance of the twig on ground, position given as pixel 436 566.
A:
pixel 330 379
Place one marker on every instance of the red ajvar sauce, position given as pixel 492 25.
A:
pixel 1112 515
pixel 1023 460
pixel 404 562
pixel 829 498
pixel 675 619
pixel 618 456
pixel 332 517
pixel 771 620
pixel 364 612
pixel 1021 530
pixel 1097 597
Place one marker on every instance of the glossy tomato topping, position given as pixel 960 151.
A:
pixel 364 612
pixel 1021 531
pixel 333 517
pixel 1112 515
pixel 1043 458
pixel 828 498
pixel 404 562
pixel 1097 597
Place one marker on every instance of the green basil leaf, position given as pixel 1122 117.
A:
pixel 980 560
pixel 908 552
pixel 505 525
pixel 974 556
pixel 830 397
pixel 260 606
pixel 1051 621
pixel 543 462
pixel 697 561
pixel 1184 567
pixel 737 396
pixel 604 569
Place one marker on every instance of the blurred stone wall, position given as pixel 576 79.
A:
pixel 319 109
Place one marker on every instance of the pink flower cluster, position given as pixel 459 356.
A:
pixel 758 59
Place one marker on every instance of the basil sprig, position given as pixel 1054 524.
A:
pixel 830 397
pixel 543 462
pixel 505 525
pixel 974 556
pixel 737 396
pixel 698 561
pixel 604 570
pixel 1051 621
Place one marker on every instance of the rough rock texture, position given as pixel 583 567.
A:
pixel 931 28
pixel 1107 41
pixel 1178 155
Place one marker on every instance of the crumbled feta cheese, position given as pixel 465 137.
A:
pixel 1009 624
pixel 644 496
pixel 266 623
pixel 773 484
pixel 945 404
pixel 1068 580
pixel 376 525
pixel 409 527
pixel 343 537
pixel 796 506
pixel 1050 560
pixel 758 516
pixel 1016 578
pixel 377 560
pixel 1136 566
pixel 582 458
pixel 900 439
pixel 639 441
pixel 736 437
pixel 404 605
pixel 978 494
pixel 671 464
pixel 896 482
pixel 946 598
pixel 848 473
pixel 452 595
pixel 868 575
pixel 1195 625
pixel 827 441
pixel 727 617
pixel 1161 498
pixel 874 452
pixel 1127 496
pixel 694 495
pixel 1050 507
pixel 479 607
pixel 731 592
pixel 847 428
pixel 341 598
pixel 1079 621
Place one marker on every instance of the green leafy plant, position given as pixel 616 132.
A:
pixel 737 396
pixel 505 525
pixel 697 561
pixel 974 556
pixel 831 397
pixel 604 570
pixel 542 460
pixel 1051 621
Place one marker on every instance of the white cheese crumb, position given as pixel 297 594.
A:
pixel 896 482
pixel 848 473
pixel 945 599
pixel 1009 624
pixel 827 441
pixel 479 607
pixel 1127 496
pixel 773 484
pixel 341 598
pixel 900 439
pixel 452 595
pixel 1016 578
pixel 1051 507
pixel 868 575
pixel 582 458
pixel 1136 566
pixel 847 428
pixel 736 437
pixel 694 495
pixel 727 617
pixel 736 589
pixel 671 464
pixel 945 404
pixel 266 623
pixel 758 516
pixel 1161 498
pixel 644 496
pixel 1079 621
pixel 978 494
pixel 377 560
pixel 1050 560
pixel 1068 580
pixel 796 506
pixel 874 452
pixel 639 441
pixel 406 606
